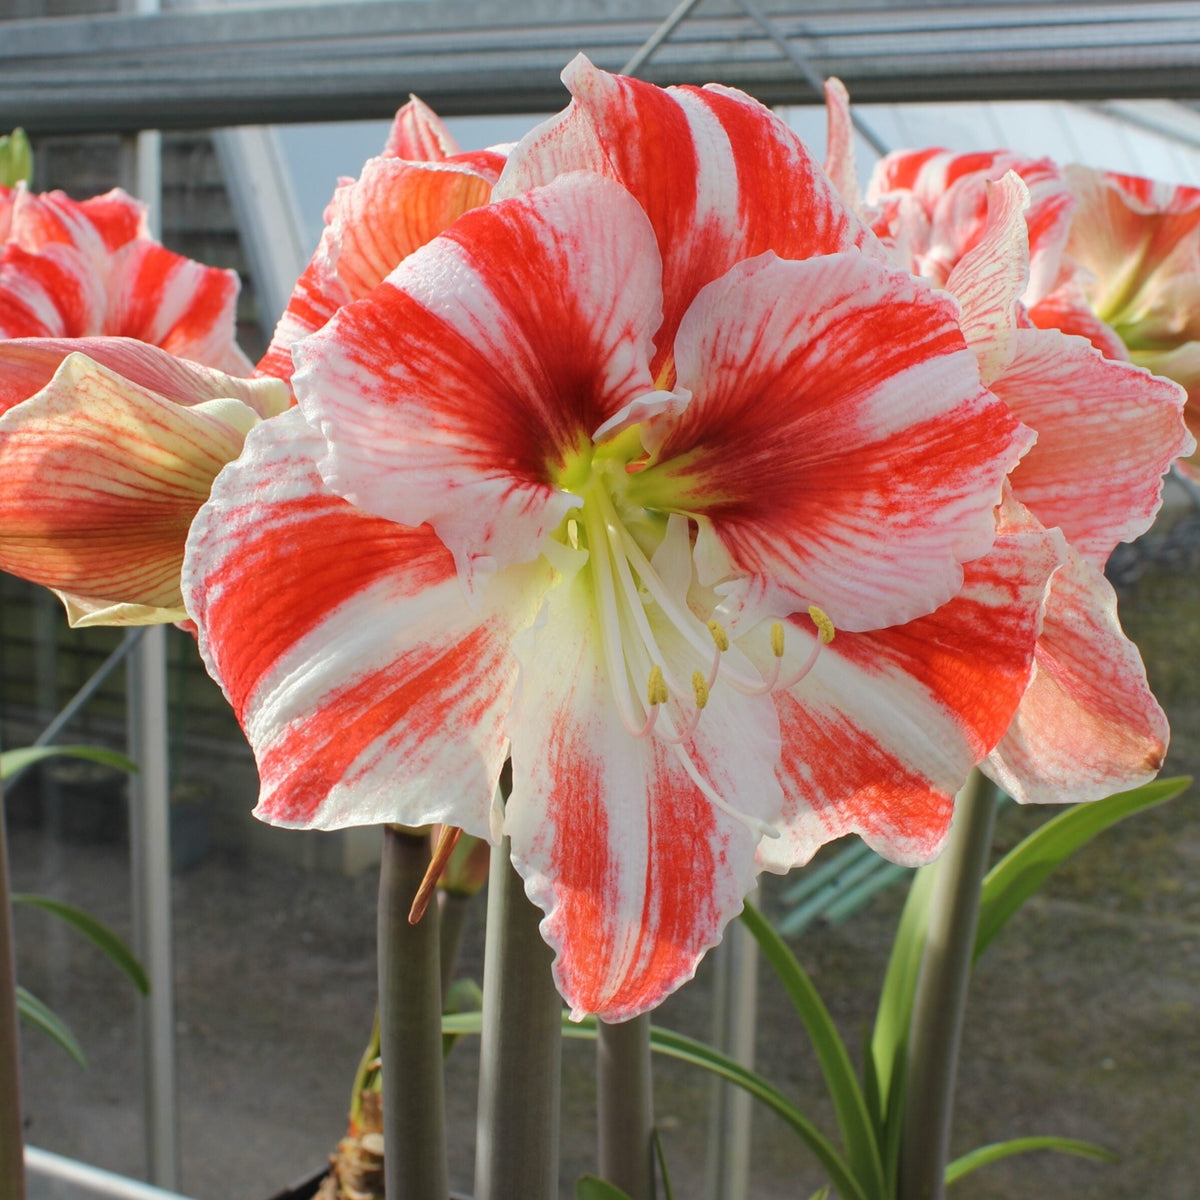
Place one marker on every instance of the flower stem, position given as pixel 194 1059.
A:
pixel 942 992
pixel 516 1147
pixel 410 1025
pixel 12 1149
pixel 625 1107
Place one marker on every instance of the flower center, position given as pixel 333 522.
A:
pixel 664 651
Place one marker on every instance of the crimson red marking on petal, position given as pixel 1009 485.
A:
pixel 679 916
pixel 408 695
pixel 286 579
pixel 854 785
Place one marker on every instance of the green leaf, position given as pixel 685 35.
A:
pixel 592 1188
pixel 1026 867
pixel 465 995
pixel 998 1150
pixel 853 1117
pixel 661 1157
pixel 95 931
pixel 44 1018
pixel 820 1194
pixel 889 1039
pixel 16 159
pixel 676 1045
pixel 12 761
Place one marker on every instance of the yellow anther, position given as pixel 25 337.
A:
pixel 700 687
pixel 656 689
pixel 820 618
pixel 719 636
pixel 777 638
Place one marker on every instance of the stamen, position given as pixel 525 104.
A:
pixel 820 618
pixel 719 636
pixel 656 689
pixel 777 638
pixel 700 687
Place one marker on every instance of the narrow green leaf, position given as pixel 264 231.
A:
pixel 95 931
pixel 12 761
pixel 661 1156
pixel 984 1155
pixel 889 1040
pixel 820 1194
pixel 853 1117
pixel 44 1018
pixel 1026 867
pixel 589 1187
pixel 676 1045
pixel 465 995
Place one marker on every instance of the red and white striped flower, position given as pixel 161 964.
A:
pixel 1136 246
pixel 418 187
pixel 107 448
pixel 1107 431
pixel 76 269
pixel 591 479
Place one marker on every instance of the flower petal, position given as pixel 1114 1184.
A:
pixel 28 364
pixel 467 380
pixel 635 867
pixel 367 687
pixel 1107 432
pixel 102 478
pixel 420 135
pixel 720 177
pixel 989 280
pixel 94 226
pixel 881 735
pixel 838 438
pixel 372 225
pixel 1088 725
pixel 173 302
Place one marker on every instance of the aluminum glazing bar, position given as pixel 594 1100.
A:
pixel 327 61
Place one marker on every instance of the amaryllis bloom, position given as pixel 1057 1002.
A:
pixel 626 475
pixel 1107 431
pixel 418 187
pixel 107 449
pixel 75 269
pixel 1136 246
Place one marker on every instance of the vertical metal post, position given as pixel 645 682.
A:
pixel 150 866
pixel 735 1022
pixel 149 791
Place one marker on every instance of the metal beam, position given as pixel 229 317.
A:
pixel 201 68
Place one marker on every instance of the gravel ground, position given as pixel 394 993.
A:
pixel 1082 1018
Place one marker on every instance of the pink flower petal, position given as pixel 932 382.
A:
pixel 1107 432
pixel 523 329
pixel 989 280
pixel 368 688
pixel 1088 726
pixel 838 438
pixel 102 478
pixel 28 364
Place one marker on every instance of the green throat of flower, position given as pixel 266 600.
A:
pixel 664 650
